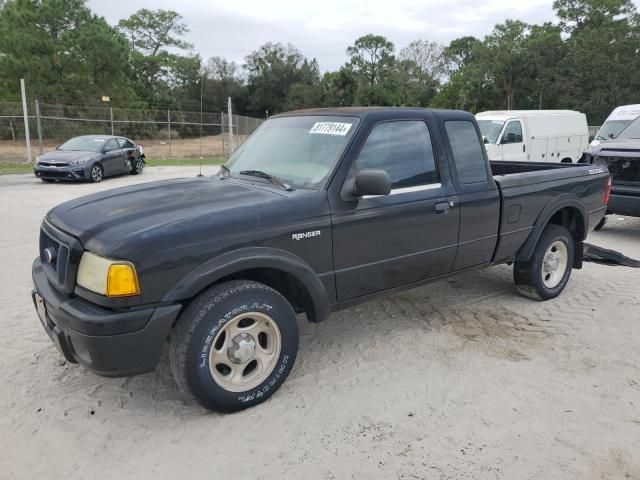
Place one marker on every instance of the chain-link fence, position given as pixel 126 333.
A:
pixel 164 134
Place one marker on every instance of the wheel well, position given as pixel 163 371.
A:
pixel 572 219
pixel 286 284
pixel 566 160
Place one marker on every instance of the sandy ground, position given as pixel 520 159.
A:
pixel 462 379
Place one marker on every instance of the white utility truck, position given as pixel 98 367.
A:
pixel 615 122
pixel 534 135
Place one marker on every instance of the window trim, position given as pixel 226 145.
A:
pixel 400 190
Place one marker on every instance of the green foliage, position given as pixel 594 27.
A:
pixel 61 49
pixel 588 60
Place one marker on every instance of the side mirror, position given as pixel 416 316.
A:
pixel 485 140
pixel 368 182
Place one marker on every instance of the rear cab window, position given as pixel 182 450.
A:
pixel 404 150
pixel 466 148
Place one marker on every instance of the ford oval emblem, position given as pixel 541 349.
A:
pixel 49 255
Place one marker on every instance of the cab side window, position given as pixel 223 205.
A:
pixel 111 144
pixel 403 149
pixel 512 132
pixel 124 143
pixel 467 151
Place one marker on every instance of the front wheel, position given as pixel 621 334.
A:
pixel 97 173
pixel 137 165
pixel 547 272
pixel 234 345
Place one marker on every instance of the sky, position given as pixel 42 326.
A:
pixel 325 28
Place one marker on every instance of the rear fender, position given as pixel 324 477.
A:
pixel 562 201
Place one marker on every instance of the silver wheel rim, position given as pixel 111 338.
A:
pixel 96 173
pixel 245 352
pixel 138 166
pixel 554 264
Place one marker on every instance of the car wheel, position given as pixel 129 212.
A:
pixel 137 166
pixel 234 345
pixel 97 173
pixel 47 180
pixel 547 272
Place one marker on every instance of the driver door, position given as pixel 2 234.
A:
pixel 512 142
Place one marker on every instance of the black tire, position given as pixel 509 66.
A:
pixel 47 180
pixel 96 173
pixel 529 276
pixel 137 165
pixel 600 224
pixel 199 328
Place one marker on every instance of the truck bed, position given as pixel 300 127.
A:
pixel 527 187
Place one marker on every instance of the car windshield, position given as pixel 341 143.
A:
pixel 300 150
pixel 632 130
pixel 83 144
pixel 611 129
pixel 490 129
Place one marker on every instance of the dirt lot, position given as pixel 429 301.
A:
pixel 462 379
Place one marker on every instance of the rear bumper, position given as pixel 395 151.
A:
pixel 624 204
pixel 107 342
pixel 64 173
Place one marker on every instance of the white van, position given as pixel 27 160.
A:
pixel 534 135
pixel 615 122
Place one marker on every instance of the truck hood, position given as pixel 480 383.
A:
pixel 156 213
pixel 616 148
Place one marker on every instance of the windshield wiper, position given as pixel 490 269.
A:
pixel 226 169
pixel 267 176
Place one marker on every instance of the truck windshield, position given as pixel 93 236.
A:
pixel 630 130
pixel 301 150
pixel 490 129
pixel 611 129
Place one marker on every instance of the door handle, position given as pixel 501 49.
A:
pixel 442 208
pixel 524 147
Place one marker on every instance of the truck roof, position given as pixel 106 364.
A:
pixel 525 113
pixel 365 111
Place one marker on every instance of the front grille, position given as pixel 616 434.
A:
pixel 53 164
pixel 49 174
pixel 60 255
pixel 624 170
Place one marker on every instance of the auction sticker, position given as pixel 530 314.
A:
pixel 330 128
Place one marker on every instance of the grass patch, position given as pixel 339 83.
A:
pixel 7 168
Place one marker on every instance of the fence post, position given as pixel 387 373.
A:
pixel 39 126
pixel 169 131
pixel 230 113
pixel 224 150
pixel 26 119
pixel 111 117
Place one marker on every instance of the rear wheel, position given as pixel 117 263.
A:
pixel 547 272
pixel 97 173
pixel 234 345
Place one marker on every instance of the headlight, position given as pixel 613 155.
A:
pixel 113 278
pixel 79 162
pixel 37 159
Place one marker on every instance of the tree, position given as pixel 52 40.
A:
pixel 338 89
pixel 370 56
pixel 152 36
pixel 460 52
pixel 420 68
pixel 62 50
pixel 272 71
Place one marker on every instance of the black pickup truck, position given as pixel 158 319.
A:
pixel 317 211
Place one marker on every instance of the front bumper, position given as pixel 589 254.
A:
pixel 622 204
pixel 108 342
pixel 77 172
